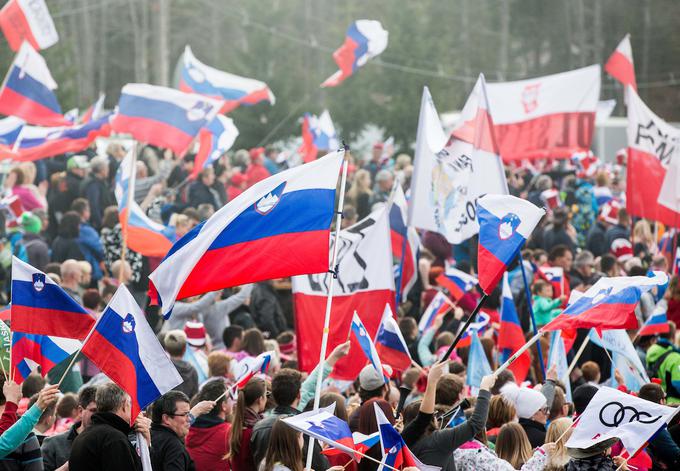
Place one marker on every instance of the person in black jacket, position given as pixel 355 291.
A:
pixel 266 309
pixel 170 421
pixel 105 445
pixel 201 191
pixel 97 190
pixel 66 246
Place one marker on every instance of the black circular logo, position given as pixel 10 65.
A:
pixel 615 413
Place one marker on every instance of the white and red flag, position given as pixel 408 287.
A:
pixel 620 64
pixel 364 283
pixel 652 149
pixel 551 116
pixel 28 20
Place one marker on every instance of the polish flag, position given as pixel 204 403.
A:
pixel 620 64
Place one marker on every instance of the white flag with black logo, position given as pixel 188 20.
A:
pixel 615 414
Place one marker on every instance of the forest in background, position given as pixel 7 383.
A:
pixel 288 44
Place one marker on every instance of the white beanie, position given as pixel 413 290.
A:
pixel 529 401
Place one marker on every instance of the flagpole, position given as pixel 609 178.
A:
pixel 131 192
pixel 11 370
pixel 474 313
pixel 531 311
pixel 329 299
pixel 519 352
pixel 77 352
pixel 580 351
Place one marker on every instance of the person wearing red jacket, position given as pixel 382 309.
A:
pixel 207 441
pixel 12 395
pixel 256 170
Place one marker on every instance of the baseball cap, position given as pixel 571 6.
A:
pixel 370 379
pixel 77 161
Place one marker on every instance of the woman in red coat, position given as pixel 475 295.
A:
pixel 208 438
pixel 251 402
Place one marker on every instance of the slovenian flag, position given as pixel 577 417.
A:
pixel 196 77
pixel 390 344
pixel 318 133
pixel 457 282
pixel 143 235
pixel 608 304
pixel 214 140
pixel 125 348
pixel 40 306
pixel 511 335
pixel 279 227
pixel 38 142
pixel 162 116
pixel 247 368
pixel 323 425
pixel 656 324
pixel 439 306
pixel 30 351
pixel 28 20
pixel 505 224
pixel 405 243
pixel 367 346
pixel 365 39
pixel 28 90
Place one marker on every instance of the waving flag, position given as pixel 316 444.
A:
pixel 308 149
pixel 125 348
pixel 478 364
pixel 196 77
pixel 318 133
pixel 551 116
pixel 620 64
pixel 276 228
pixel 28 20
pixel 390 344
pixel 439 306
pixel 651 146
pixel 511 336
pixel 656 324
pixel 457 417
pixel 608 304
pixel 365 39
pixel 505 224
pixel 214 141
pixel 368 346
pixel 40 306
pixel 617 341
pixel 30 351
pixel 552 274
pixel 162 116
pixel 36 142
pixel 615 414
pixel 395 452
pixel 364 283
pixel 94 111
pixel 557 357
pixel 477 327
pixel 28 90
pixel 321 424
pixel 10 128
pixel 457 282
pixel 405 243
pixel 247 368
pixel 144 235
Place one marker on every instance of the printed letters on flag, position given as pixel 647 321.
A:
pixel 511 336
pixel 652 145
pixel 365 39
pixel 144 236
pixel 40 306
pixel 28 20
pixel 545 117
pixel 390 344
pixel 125 348
pixel 196 77
pixel 28 90
pixel 324 426
pixel 278 227
pixel 615 414
pixel 214 140
pixel 608 304
pixel 620 64
pixel 505 224
pixel 364 284
pixel 163 116
pixel 5 346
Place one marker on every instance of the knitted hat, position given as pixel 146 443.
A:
pixel 31 223
pixel 622 249
pixel 195 333
pixel 527 401
pixel 610 212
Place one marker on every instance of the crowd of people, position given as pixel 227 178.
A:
pixel 69 228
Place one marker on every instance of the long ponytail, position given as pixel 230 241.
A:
pixel 252 391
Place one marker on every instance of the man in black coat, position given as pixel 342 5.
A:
pixel 201 191
pixel 105 445
pixel 170 421
pixel 97 190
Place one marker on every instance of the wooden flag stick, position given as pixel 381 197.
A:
pixel 578 355
pixel 75 355
pixel 564 434
pixel 519 352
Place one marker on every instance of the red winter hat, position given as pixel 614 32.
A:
pixel 195 333
pixel 610 212
pixel 237 178
pixel 256 152
pixel 622 249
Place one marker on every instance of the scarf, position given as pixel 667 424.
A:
pixel 250 418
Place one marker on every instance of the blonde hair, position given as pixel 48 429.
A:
pixel 357 186
pixel 642 232
pixel 558 459
pixel 512 445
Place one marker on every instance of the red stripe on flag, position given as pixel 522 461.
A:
pixel 40 321
pixel 15 104
pixel 490 269
pixel 644 179
pixel 148 242
pixel 153 132
pixel 622 69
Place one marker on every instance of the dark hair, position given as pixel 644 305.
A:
pixel 110 217
pixel 652 392
pixel 449 388
pixel 286 386
pixel 340 409
pixel 367 421
pixel 33 384
pixel 231 333
pixel 252 391
pixel 87 395
pixel 79 205
pixel 538 286
pixel 366 395
pixel 558 251
pixel 166 404
pixel 607 262
pixel 253 342
pixel 502 378
pixel 211 391
pixel 637 271
pixel 66 405
pixel 560 218
pixel 20 176
pixel 91 298
pixel 69 227
pixel 283 448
